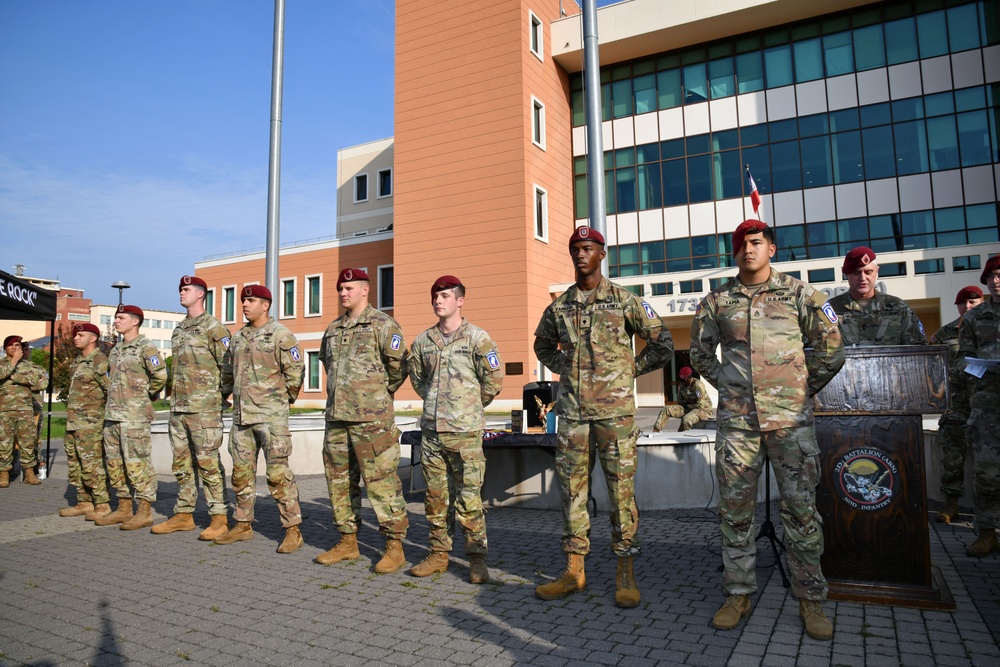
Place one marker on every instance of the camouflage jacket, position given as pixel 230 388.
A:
pixel 979 337
pixel 365 365
pixel 136 374
pixel 694 396
pixel 88 390
pixel 456 379
pixel 199 346
pixel 17 383
pixel 589 344
pixel 958 386
pixel 263 371
pixel 885 320
pixel 764 380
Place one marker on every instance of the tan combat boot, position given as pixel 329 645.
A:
pixel 732 612
pixel 4 479
pixel 393 559
pixel 984 545
pixel 817 625
pixel 950 510
pixel 238 533
pixel 216 529
pixel 292 541
pixel 626 592
pixel 572 580
pixel 478 572
pixel 143 517
pixel 120 515
pixel 28 476
pixel 345 549
pixel 77 510
pixel 100 510
pixel 436 561
pixel 173 524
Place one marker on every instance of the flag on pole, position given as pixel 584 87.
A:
pixel 754 195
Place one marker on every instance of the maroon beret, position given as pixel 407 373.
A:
pixel 88 327
pixel 860 256
pixel 443 283
pixel 586 234
pixel 968 292
pixel 10 340
pixel 992 264
pixel 351 275
pixel 685 373
pixel 132 310
pixel 746 227
pixel 258 291
pixel 193 280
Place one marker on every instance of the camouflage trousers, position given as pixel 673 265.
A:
pixel 353 451
pixel 951 439
pixel 454 463
pixel 984 425
pixel 739 460
pixel 18 426
pixel 85 459
pixel 613 441
pixel 245 444
pixel 196 439
pixel 128 450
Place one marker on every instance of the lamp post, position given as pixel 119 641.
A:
pixel 121 286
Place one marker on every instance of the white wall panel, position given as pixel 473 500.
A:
pixel 936 74
pixel 612 235
pixel 723 114
pixel 873 86
pixel 977 184
pixel 781 103
pixel 647 129
pixel 788 209
pixel 904 80
pixel 580 140
pixel 820 204
pixel 991 63
pixel 946 187
pixel 967 68
pixel 624 133
pixel 915 192
pixel 842 92
pixel 696 119
pixel 811 97
pixel 851 202
pixel 883 196
pixel 703 218
pixel 671 123
pixel 651 225
pixel 752 108
pixel 675 222
pixel 628 228
pixel 729 214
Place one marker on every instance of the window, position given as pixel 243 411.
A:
pixel 105 320
pixel 385 287
pixel 314 296
pixel 313 375
pixel 537 123
pixel 229 305
pixel 288 297
pixel 384 183
pixel 210 302
pixel 541 214
pixel 535 35
pixel 360 188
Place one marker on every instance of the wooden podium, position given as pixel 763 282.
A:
pixel 872 490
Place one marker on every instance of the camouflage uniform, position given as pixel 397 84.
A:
pixel 765 388
pixel 979 337
pixel 199 346
pixel 588 342
pixel 136 374
pixel 263 371
pixel 84 441
pixel 17 419
pixel 696 402
pixel 365 365
pixel 446 372
pixel 885 320
pixel 951 426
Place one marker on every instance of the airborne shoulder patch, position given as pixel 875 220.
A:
pixel 396 341
pixel 154 361
pixel 650 313
pixel 830 313
pixel 295 353
pixel 493 360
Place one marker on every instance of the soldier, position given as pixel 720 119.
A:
pixel 198 345
pixel 764 320
pixel 979 338
pixel 84 441
pixel 364 355
pixel 136 374
pixel 455 368
pixel 585 336
pixel 868 317
pixel 19 378
pixel 695 405
pixel 263 371
pixel 951 426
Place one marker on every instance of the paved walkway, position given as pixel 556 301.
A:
pixel 73 594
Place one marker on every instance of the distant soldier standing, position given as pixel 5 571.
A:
pixel 364 355
pixel 764 321
pixel 19 379
pixel 84 440
pixel 136 374
pixel 198 346
pixel 455 368
pixel 263 371
pixel 585 336
pixel 951 426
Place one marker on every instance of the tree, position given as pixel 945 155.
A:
pixel 65 353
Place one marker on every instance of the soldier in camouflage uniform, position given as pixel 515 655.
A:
pixel 364 355
pixel 868 317
pixel 951 426
pixel 263 371
pixel 19 378
pixel 136 374
pixel 585 336
pixel 84 441
pixel 455 368
pixel 979 337
pixel 764 320
pixel 694 403
pixel 198 345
